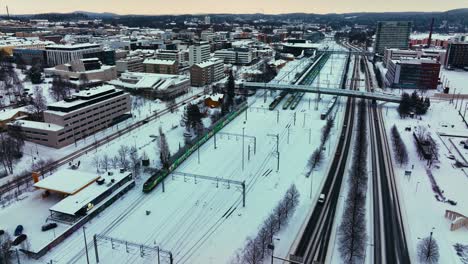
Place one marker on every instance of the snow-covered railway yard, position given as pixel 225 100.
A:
pixel 203 223
pixel 199 222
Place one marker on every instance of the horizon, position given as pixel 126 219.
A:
pixel 204 7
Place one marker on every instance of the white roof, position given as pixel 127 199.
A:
pixel 141 80
pixel 38 125
pixel 157 61
pixel 9 113
pixel 73 203
pixel 67 181
pixel 209 62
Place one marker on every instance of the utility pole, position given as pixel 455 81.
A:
pixel 96 249
pixel 429 246
pixel 86 244
pixel 243 142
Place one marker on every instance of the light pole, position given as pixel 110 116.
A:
pixel 86 245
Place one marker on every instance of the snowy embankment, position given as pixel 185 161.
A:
pixel 422 211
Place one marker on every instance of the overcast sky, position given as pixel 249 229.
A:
pixel 227 6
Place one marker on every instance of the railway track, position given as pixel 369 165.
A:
pixel 315 237
pixel 26 178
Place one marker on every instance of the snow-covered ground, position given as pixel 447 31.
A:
pixel 420 208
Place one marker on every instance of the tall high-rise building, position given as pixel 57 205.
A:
pixel 457 52
pixel 392 34
pixel 199 52
pixel 207 20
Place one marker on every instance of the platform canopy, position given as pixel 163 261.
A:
pixel 67 181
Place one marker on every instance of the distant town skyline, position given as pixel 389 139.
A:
pixel 156 7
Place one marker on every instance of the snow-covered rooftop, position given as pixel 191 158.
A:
pixel 67 181
pixel 161 62
pixel 38 125
pixel 141 80
pixel 87 193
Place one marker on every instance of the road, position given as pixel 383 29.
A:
pixel 314 240
pixel 26 179
pixel 389 243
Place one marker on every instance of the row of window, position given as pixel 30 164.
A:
pixel 94 109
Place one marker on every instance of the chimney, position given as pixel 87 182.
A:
pixel 429 40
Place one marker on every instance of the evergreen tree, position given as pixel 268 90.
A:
pixel 194 116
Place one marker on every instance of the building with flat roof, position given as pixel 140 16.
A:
pixel 161 66
pixel 240 56
pixel 175 55
pixel 457 53
pixel 207 72
pixel 92 69
pixel 398 54
pixel 77 117
pixel 392 34
pixel 199 52
pixel 131 64
pixel 162 86
pixel 61 54
pixel 413 74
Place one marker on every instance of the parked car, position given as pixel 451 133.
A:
pixel 19 239
pixel 19 230
pixel 48 226
pixel 451 202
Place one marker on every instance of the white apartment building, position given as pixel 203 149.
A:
pixel 131 64
pixel 199 52
pixel 77 117
pixel 241 56
pixel 61 54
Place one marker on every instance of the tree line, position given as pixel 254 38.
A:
pixel 399 147
pixel 317 156
pixel 352 230
pixel 256 248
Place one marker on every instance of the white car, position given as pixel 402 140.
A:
pixel 321 198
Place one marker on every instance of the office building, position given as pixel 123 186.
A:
pixel 398 54
pixel 77 117
pixel 413 74
pixel 199 52
pixel 161 86
pixel 392 34
pixel 131 64
pixel 61 54
pixel 457 53
pixel 239 56
pixel 161 66
pixel 207 72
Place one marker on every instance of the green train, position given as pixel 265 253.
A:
pixel 156 178
pixel 289 101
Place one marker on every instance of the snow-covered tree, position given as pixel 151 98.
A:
pixel 164 152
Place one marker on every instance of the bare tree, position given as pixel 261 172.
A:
pixel 105 162
pixel 61 88
pixel 122 155
pixel 252 252
pixel 135 160
pixel 38 104
pixel 428 250
pixel 5 248
pixel 315 159
pixel 97 162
